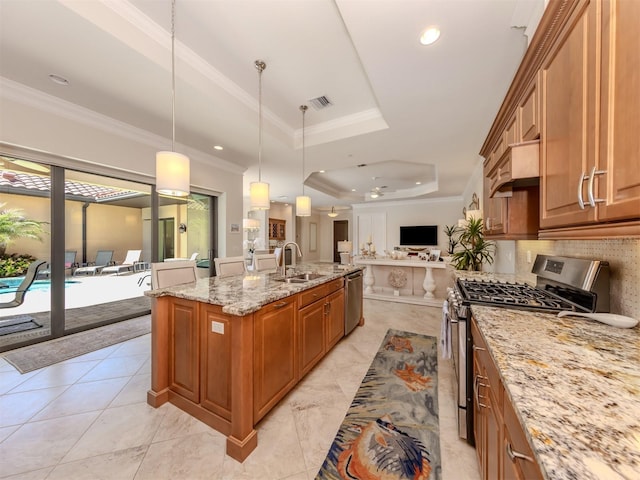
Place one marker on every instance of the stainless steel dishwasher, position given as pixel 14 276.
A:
pixel 353 304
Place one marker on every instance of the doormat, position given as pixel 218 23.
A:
pixel 18 324
pixel 33 357
pixel 391 429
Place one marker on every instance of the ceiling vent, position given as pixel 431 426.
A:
pixel 320 102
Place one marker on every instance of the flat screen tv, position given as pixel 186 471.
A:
pixel 419 236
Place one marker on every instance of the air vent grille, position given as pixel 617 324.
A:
pixel 320 102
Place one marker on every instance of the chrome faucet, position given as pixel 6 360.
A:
pixel 281 270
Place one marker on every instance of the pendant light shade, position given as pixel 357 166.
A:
pixel 172 169
pixel 303 206
pixel 333 212
pixel 172 174
pixel 259 191
pixel 303 202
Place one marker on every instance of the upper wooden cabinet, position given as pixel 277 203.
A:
pixel 590 143
pixel 277 229
pixel 577 90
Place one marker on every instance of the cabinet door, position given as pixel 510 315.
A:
pixel 274 356
pixel 529 113
pixel 495 210
pixel 493 431
pixel 216 361
pixel 619 157
pixel 517 456
pixel 312 324
pixel 335 318
pixel 479 418
pixel 569 78
pixel 184 349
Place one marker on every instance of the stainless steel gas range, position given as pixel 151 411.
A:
pixel 562 283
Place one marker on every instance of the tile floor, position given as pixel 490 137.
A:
pixel 87 418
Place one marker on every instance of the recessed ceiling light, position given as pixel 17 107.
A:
pixel 321 171
pixel 353 189
pixel 58 79
pixel 430 35
pixel 218 147
pixel 418 183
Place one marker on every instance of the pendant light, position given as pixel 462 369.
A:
pixel 303 203
pixel 333 212
pixel 172 168
pixel 259 191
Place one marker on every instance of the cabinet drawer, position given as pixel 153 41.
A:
pixel 517 454
pixel 334 285
pixel 309 296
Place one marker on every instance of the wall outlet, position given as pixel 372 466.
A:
pixel 217 327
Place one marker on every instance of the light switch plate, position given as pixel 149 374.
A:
pixel 217 327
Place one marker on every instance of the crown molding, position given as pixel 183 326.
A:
pixel 42 101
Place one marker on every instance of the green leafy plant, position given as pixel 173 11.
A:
pixel 14 265
pixel 475 249
pixel 451 231
pixel 13 226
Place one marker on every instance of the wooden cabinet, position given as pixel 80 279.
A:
pixel 334 318
pixel 274 354
pixel 590 146
pixel 495 208
pixel 312 327
pixel 215 361
pixel 184 349
pixel 321 319
pixel 501 446
pixel 277 229
pixel 528 112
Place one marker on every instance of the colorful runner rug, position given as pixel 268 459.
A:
pixel 391 429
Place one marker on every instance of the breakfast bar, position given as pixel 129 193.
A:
pixel 227 350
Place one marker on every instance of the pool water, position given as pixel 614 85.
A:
pixel 10 285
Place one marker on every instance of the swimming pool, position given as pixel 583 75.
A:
pixel 10 285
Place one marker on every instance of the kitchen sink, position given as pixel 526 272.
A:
pixel 301 278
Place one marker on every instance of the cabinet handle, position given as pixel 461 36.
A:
pixel 487 223
pixel 475 391
pixel 581 180
pixel 280 305
pixel 479 349
pixel 513 455
pixel 592 200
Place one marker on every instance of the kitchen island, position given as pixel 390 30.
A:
pixel 227 350
pixel 574 386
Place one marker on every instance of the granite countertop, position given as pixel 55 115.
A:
pixel 244 294
pixel 575 386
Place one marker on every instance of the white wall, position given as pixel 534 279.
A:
pixel 438 211
pixel 37 121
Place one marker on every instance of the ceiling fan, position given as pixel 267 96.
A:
pixel 376 192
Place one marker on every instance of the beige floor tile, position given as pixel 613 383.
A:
pixel 83 397
pixel 118 428
pixel 136 346
pixel 18 408
pixel 42 444
pixel 193 457
pixel 115 367
pixel 56 375
pixel 10 379
pixel 40 474
pixel 176 424
pixel 6 431
pixel 135 391
pixel 119 465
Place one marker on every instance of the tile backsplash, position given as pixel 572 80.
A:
pixel 622 254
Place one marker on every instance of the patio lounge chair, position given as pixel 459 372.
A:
pixel 30 276
pixel 69 264
pixel 103 259
pixel 133 257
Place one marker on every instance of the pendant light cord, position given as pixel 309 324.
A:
pixel 303 109
pixel 260 65
pixel 173 75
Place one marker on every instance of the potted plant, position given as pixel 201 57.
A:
pixel 475 249
pixel 451 232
